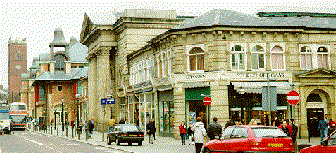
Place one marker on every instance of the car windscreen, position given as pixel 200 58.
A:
pixel 261 132
pixel 18 118
pixel 129 128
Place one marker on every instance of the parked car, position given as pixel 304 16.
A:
pixel 327 146
pixel 5 126
pixel 125 133
pixel 243 138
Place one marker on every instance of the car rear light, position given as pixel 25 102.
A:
pixel 254 143
pixel 123 135
pixel 141 135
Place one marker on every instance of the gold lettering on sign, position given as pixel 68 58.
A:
pixel 197 76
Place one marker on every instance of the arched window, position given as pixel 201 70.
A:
pixel 237 58
pixel 258 57
pixel 306 58
pixel 60 62
pixel 196 59
pixel 277 58
pixel 323 57
pixel 314 98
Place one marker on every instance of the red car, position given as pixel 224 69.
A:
pixel 328 146
pixel 243 138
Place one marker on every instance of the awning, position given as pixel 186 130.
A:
pixel 256 87
pixel 164 87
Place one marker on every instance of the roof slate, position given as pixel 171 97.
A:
pixel 76 73
pixel 232 18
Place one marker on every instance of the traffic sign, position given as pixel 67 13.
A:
pixel 293 97
pixel 103 101
pixel 207 101
pixel 110 101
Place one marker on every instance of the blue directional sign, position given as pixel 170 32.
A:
pixel 110 101
pixel 103 101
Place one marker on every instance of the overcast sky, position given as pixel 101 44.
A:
pixel 37 20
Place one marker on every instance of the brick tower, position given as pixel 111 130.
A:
pixel 17 64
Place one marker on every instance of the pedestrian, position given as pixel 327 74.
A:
pixel 154 131
pixel 91 127
pixel 332 126
pixel 199 134
pixel 183 131
pixel 122 121
pixel 214 130
pixel 323 128
pixel 229 123
pixel 150 130
pixel 190 134
pixel 111 123
pixel 286 128
pixel 253 122
pixel 294 130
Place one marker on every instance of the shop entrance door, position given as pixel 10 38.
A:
pixel 199 108
pixel 313 117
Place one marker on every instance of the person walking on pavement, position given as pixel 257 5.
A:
pixel 286 128
pixel 199 134
pixel 150 130
pixel 183 131
pixel 323 128
pixel 154 130
pixel 294 130
pixel 190 134
pixel 332 126
pixel 214 130
pixel 229 123
pixel 91 127
pixel 111 123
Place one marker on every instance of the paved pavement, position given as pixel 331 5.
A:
pixel 161 144
pixel 26 141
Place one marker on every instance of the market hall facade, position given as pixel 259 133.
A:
pixel 230 56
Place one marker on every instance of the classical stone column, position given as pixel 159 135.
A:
pixel 103 81
pixel 220 101
pixel 303 128
pixel 92 86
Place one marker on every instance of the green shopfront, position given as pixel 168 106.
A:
pixel 194 104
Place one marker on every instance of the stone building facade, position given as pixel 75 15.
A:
pixel 109 42
pixel 231 57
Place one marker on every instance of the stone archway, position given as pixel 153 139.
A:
pixel 316 107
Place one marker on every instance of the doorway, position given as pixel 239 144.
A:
pixel 313 117
pixel 199 108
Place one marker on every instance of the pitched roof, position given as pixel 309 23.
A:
pixel 232 18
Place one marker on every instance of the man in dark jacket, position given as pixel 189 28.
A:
pixel 294 130
pixel 214 130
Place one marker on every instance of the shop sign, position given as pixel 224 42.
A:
pixel 253 75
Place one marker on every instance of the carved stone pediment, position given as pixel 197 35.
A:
pixel 317 73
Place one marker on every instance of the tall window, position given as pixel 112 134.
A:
pixel 322 57
pixel 306 58
pixel 237 58
pixel 258 57
pixel 60 62
pixel 277 58
pixel 196 59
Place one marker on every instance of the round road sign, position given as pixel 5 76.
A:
pixel 293 97
pixel 207 101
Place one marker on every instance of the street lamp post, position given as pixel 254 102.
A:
pixel 62 114
pixel 78 126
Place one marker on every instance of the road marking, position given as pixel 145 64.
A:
pixel 36 142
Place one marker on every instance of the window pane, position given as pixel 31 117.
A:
pixel 192 62
pixel 200 62
pixel 303 62
pixel 254 61
pixel 273 61
pixel 261 61
pixel 196 50
pixel 322 60
pixel 241 62
pixel 322 49
pixel 281 64
pixel 234 64
pixel 277 49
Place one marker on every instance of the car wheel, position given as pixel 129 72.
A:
pixel 108 141
pixel 117 142
pixel 206 150
pixel 140 143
